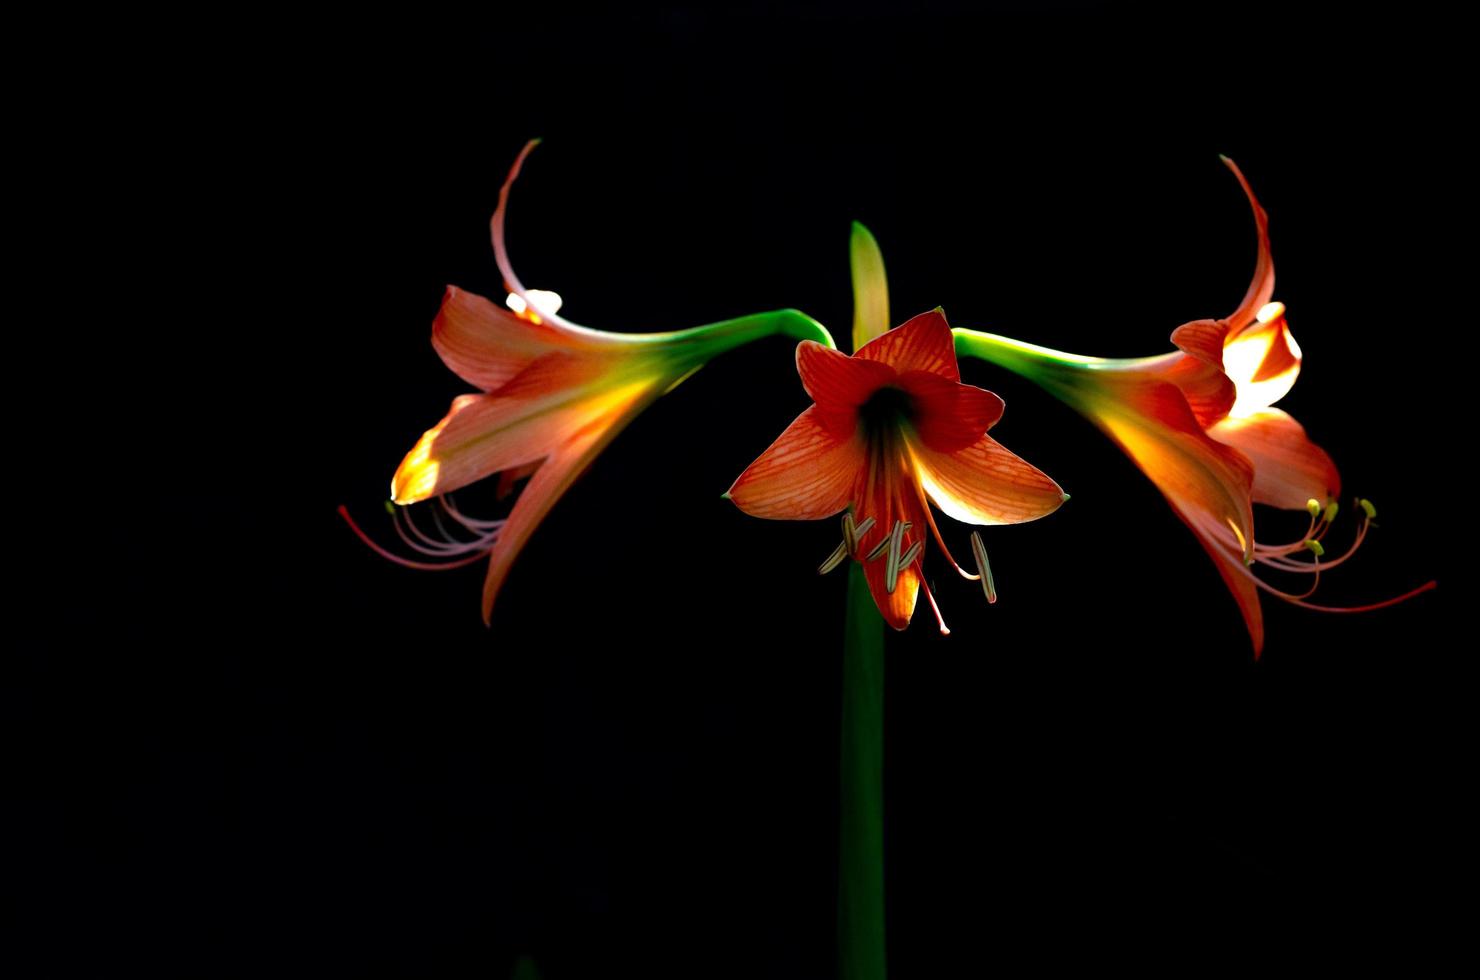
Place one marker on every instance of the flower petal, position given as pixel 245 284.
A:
pixel 544 488
pixel 1261 288
pixel 922 343
pixel 1263 363
pixel 1289 469
pixel 984 483
pixel 948 415
pixel 1236 576
pixel 884 490
pixel 486 344
pixel 483 434
pixel 839 383
pixel 1199 477
pixel 807 474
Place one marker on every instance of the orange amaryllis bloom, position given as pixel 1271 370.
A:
pixel 1200 424
pixel 552 395
pixel 892 426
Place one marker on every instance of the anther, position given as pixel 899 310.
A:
pixel 1331 510
pixel 1314 507
pixel 891 566
pixel 983 567
pixel 834 560
pixel 1315 547
pixel 1367 508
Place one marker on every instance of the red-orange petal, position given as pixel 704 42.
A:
pixel 807 474
pixel 486 344
pixel 885 491
pixel 839 383
pixel 984 483
pixel 922 343
pixel 948 415
pixel 1289 469
pixel 550 480
pixel 1261 287
pixel 483 434
pixel 1236 576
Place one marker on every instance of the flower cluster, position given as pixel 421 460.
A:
pixel 891 431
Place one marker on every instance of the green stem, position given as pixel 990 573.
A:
pixel 861 819
pixel 715 338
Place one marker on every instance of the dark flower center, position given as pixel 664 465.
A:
pixel 886 410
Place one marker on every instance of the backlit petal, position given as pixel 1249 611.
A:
pixel 484 343
pixel 1235 575
pixel 1289 469
pixel 839 383
pixel 544 488
pixel 984 483
pixel 1261 288
pixel 483 434
pixel 922 343
pixel 1263 363
pixel 1207 483
pixel 885 491
pixel 948 415
pixel 808 473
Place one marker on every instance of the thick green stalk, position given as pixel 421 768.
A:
pixel 861 823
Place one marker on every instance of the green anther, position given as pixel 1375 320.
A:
pixel 390 507
pixel 1331 510
pixel 1367 507
pixel 1316 548
pixel 1314 507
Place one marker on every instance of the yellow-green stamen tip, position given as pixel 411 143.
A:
pixel 1331 510
pixel 1313 506
pixel 390 507
pixel 1316 548
pixel 1367 507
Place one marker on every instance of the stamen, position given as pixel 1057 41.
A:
pixel 1331 510
pixel 471 523
pixel 883 545
pixel 409 563
pixel 939 619
pixel 850 535
pixel 834 560
pixel 983 567
pixel 1314 507
pixel 426 545
pixel 891 566
pixel 912 554
pixel 1367 508
pixel 1315 547
pixel 930 519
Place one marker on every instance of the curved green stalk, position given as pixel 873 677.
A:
pixel 861 816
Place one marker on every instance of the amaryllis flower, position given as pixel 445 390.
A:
pixel 892 428
pixel 1200 424
pixel 551 395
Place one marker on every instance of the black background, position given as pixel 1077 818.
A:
pixel 248 746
